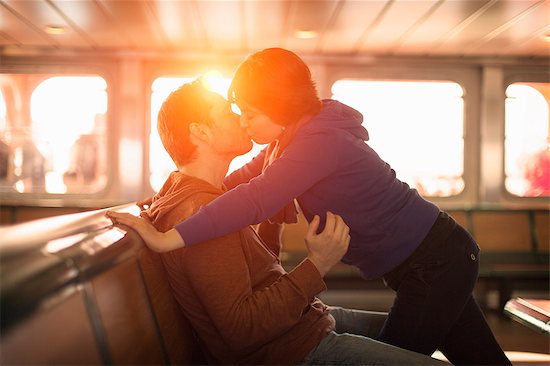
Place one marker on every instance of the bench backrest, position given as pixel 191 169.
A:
pixel 104 299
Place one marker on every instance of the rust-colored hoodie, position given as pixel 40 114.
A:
pixel 243 306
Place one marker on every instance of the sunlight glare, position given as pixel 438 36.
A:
pixel 160 163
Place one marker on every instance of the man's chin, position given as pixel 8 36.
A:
pixel 247 148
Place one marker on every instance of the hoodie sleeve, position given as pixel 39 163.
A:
pixel 246 172
pixel 306 161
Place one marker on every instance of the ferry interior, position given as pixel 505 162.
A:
pixel 455 95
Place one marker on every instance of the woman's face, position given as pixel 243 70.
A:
pixel 258 125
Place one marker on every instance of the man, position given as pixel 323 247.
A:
pixel 243 306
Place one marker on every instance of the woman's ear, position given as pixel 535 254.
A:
pixel 199 131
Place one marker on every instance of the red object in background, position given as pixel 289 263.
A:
pixel 537 173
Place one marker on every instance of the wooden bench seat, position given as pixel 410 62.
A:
pixel 514 243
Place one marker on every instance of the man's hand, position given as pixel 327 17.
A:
pixel 155 240
pixel 327 248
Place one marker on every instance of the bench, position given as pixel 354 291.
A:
pixel 76 290
pixel 534 313
pixel 515 252
pixel 515 248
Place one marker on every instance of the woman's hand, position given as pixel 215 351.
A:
pixel 327 248
pixel 145 203
pixel 155 240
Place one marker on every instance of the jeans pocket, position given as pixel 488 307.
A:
pixel 429 269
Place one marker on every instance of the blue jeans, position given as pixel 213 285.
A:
pixel 434 307
pixel 352 343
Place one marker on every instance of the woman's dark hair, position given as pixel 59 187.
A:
pixel 278 83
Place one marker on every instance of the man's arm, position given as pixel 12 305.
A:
pixel 271 235
pixel 245 317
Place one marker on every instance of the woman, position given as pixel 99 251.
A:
pixel 317 155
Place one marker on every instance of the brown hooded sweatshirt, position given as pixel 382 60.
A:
pixel 242 304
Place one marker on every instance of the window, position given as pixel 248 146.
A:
pixel 160 163
pixel 526 145
pixel 56 142
pixel 416 127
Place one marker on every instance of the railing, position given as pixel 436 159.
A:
pixel 76 290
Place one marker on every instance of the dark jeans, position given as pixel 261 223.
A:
pixel 434 307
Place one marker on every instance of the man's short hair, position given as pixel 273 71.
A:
pixel 278 83
pixel 189 103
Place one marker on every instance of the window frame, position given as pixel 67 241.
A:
pixel 466 77
pixel 57 68
pixel 512 75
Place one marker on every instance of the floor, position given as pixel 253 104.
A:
pixel 523 345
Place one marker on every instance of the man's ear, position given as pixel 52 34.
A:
pixel 199 131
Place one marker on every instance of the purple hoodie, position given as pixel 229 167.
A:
pixel 327 167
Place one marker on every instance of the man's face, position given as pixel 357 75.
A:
pixel 229 137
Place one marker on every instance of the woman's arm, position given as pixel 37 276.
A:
pixel 157 241
pixel 304 163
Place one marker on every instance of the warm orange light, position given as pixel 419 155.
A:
pixel 55 29
pixel 305 34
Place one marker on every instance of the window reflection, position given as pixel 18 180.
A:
pixel 415 126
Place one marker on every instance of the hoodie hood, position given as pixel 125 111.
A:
pixel 166 204
pixel 338 115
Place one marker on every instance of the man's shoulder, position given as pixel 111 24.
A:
pixel 179 198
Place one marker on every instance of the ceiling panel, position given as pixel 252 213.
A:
pixel 6 40
pixel 21 30
pixel 137 21
pixel 476 28
pixel 265 22
pixel 223 25
pixel 445 17
pixel 92 20
pixel 307 16
pixel 351 23
pixel 534 45
pixel 41 14
pixel 219 27
pixel 399 20
pixel 180 23
pixel 504 39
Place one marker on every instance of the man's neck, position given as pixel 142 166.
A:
pixel 211 169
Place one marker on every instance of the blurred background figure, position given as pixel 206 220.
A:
pixel 5 153
pixel 87 168
pixel 29 164
pixel 537 173
pixel 83 164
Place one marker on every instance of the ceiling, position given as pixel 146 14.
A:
pixel 459 28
